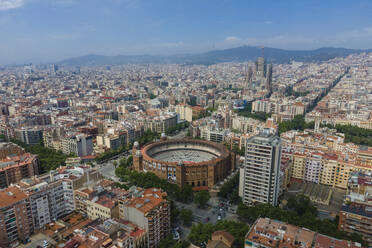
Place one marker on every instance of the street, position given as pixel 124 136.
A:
pixel 210 213
pixel 107 168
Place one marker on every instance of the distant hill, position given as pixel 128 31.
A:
pixel 238 54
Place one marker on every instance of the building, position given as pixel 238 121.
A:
pixel 29 135
pixel 184 112
pixel 81 145
pixel 221 239
pixel 49 201
pixel 160 123
pixel 102 207
pixel 268 233
pixel 149 210
pixel 8 148
pixel 15 216
pixel 313 167
pixel 356 212
pixel 14 168
pixel 260 79
pixel 198 163
pixel 217 136
pixel 100 202
pixel 261 171
pixel 112 142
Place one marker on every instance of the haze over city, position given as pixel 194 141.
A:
pixel 51 30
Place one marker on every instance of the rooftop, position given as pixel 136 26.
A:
pixel 10 196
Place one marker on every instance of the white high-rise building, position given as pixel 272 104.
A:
pixel 259 178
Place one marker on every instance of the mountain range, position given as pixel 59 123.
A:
pixel 238 54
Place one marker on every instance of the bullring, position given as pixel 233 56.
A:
pixel 198 163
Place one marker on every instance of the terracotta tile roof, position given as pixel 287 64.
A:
pixel 151 199
pixel 323 241
pixel 10 196
pixel 225 234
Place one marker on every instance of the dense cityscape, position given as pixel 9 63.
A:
pixel 185 124
pixel 173 156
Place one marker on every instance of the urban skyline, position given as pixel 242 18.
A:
pixel 48 31
pixel 244 147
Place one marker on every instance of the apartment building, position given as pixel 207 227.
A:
pixel 49 201
pixel 298 166
pixel 356 212
pixel 149 210
pixel 102 207
pixel 29 135
pixel 100 202
pixel 81 145
pixel 215 135
pixel 110 142
pixel 313 167
pixel 15 216
pixel 14 168
pixel 261 182
pixel 8 148
pixel 184 112
pixel 160 123
pixel 268 233
pixel 328 169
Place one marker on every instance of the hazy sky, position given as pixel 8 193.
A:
pixel 50 30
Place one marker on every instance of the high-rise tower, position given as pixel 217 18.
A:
pixel 260 178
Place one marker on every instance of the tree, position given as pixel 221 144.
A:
pixel 115 164
pixel 167 242
pixel 50 159
pixel 301 212
pixel 201 198
pixel 230 190
pixel 186 216
pixel 201 233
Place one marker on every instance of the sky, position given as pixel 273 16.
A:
pixel 40 31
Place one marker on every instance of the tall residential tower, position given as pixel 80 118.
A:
pixel 259 179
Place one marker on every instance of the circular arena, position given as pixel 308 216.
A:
pixel 198 163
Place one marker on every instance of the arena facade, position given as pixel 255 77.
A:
pixel 198 163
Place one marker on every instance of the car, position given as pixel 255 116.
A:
pixel 219 217
pixel 176 235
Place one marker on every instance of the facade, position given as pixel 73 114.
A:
pixel 81 145
pixel 261 177
pixel 8 148
pixel 111 142
pixel 322 168
pixel 102 207
pixel 198 163
pixel 29 136
pixel 161 123
pixel 15 216
pixel 150 211
pixel 49 201
pixel 313 168
pixel 217 136
pixel 184 112
pixel 268 233
pixel 298 166
pixel 100 202
pixel 16 167
pixel 356 212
